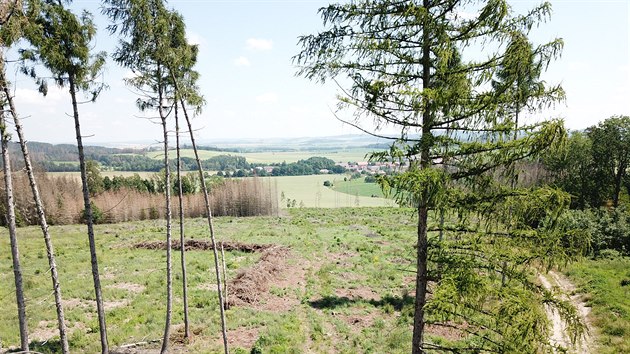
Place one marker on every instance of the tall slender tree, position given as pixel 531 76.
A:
pixel 146 49
pixel 182 238
pixel 392 62
pixel 61 42
pixel 10 220
pixel 11 30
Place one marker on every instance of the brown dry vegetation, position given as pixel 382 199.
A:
pixel 64 204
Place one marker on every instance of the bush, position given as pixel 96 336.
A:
pixel 97 215
pixel 328 184
pixel 609 230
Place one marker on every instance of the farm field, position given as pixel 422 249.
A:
pixel 341 282
pixel 309 191
pixel 345 155
pixel 358 187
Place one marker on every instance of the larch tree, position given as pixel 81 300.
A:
pixel 11 30
pixel 61 41
pixel 426 68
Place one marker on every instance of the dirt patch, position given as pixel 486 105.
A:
pixel 559 335
pixel 131 287
pixel 359 293
pixel 110 305
pixel 243 337
pixel 47 330
pixel 254 282
pixel 358 321
pixel 203 245
pixel 448 330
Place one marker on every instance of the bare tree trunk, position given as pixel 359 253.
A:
pixel 100 309
pixel 417 341
pixel 211 227
pixel 182 239
pixel 167 196
pixel 10 218
pixel 225 288
pixel 39 205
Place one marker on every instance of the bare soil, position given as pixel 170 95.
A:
pixel 559 335
pixel 203 245
pixel 251 284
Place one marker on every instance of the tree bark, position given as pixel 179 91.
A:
pixel 182 237
pixel 167 196
pixel 211 227
pixel 39 205
pixel 417 341
pixel 100 309
pixel 10 218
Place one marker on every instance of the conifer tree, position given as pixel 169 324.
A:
pixel 426 68
pixel 61 41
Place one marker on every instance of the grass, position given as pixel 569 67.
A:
pixel 606 283
pixel 309 191
pixel 345 256
pixel 341 155
pixel 358 187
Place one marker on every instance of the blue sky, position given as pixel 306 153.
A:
pixel 251 91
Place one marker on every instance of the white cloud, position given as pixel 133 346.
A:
pixel 269 97
pixel 259 44
pixel 33 97
pixel 242 61
pixel 195 38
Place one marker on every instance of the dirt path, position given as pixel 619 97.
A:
pixel 559 336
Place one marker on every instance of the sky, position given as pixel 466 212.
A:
pixel 249 82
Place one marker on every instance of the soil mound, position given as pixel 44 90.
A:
pixel 203 245
pixel 252 283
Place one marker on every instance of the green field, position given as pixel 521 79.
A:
pixel 359 187
pixel 310 191
pixel 606 283
pixel 346 155
pixel 339 289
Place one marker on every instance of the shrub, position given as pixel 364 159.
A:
pixel 328 184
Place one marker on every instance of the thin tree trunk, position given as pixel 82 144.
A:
pixel 100 309
pixel 417 341
pixel 182 238
pixel 10 218
pixel 167 196
pixel 39 205
pixel 211 227
pixel 225 288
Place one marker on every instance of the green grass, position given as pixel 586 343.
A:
pixel 340 252
pixel 603 282
pixel 310 191
pixel 358 187
pixel 343 155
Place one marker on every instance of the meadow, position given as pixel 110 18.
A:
pixel 345 277
pixel 605 283
pixel 358 186
pixel 309 191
